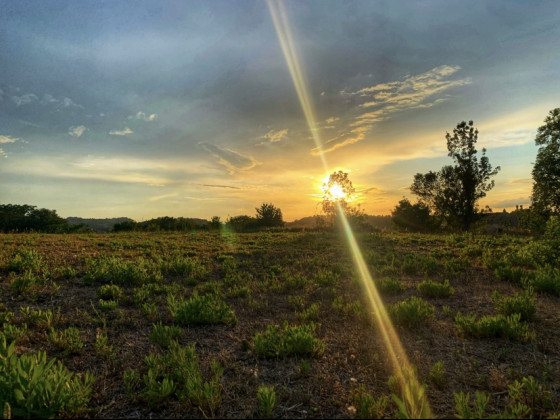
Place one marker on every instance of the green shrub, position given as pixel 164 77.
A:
pixel 389 286
pixel 411 312
pixel 513 275
pixel 433 289
pixel 119 272
pixel 36 388
pixel 68 340
pixel 207 309
pixel 39 318
pixel 367 407
pixel 463 406
pixel 26 283
pixel 108 305
pixel 25 260
pixel 13 332
pixel 521 303
pixel 109 292
pixel 287 341
pixel 309 314
pixel 266 398
pixel 437 374
pixel 494 326
pixel 547 280
pixel 163 334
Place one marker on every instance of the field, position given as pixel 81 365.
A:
pixel 275 324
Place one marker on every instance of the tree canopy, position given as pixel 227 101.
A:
pixel 453 192
pixel 26 218
pixel 546 171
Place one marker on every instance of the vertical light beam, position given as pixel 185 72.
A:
pixel 413 392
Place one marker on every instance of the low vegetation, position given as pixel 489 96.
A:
pixel 277 324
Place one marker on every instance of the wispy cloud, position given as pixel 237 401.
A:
pixel 7 139
pixel 3 154
pixel 274 136
pixel 221 186
pixel 126 132
pixel 383 100
pixel 77 131
pixel 163 196
pixel 143 116
pixel 232 160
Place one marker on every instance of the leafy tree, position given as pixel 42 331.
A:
pixel 453 192
pixel 25 218
pixel 337 191
pixel 412 217
pixel 242 223
pixel 269 216
pixel 215 223
pixel 546 171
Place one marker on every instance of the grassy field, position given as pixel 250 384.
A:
pixel 275 324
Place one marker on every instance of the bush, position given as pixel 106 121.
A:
pixel 411 312
pixel 267 400
pixel 287 341
pixel 163 335
pixel 547 280
pixel 494 326
pixel 433 289
pixel 413 217
pixel 207 309
pixel 68 340
pixel 109 291
pixel 36 388
pixel 367 407
pixel 521 303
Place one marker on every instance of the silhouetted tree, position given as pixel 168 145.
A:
pixel 546 171
pixel 413 217
pixel 453 192
pixel 215 223
pixel 26 218
pixel 337 191
pixel 269 216
pixel 242 223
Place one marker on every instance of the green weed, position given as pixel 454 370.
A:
pixel 288 340
pixel 433 289
pixel 521 303
pixel 163 335
pixel 207 309
pixel 494 326
pixel 411 312
pixel 367 407
pixel 266 397
pixel 68 340
pixel 109 292
pixel 437 374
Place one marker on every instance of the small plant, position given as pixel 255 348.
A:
pixel 389 286
pixel 367 407
pixel 109 292
pixel 31 386
pixel 521 303
pixel 25 260
pixel 26 283
pixel 547 280
pixel 108 305
pixel 150 310
pixel 68 340
pixel 412 403
pixel 309 314
pixel 437 374
pixel 288 340
pixel 131 379
pixel 39 318
pixel 433 289
pixel 411 312
pixel 464 408
pixel 163 335
pixel 494 326
pixel 304 367
pixel 102 346
pixel 13 332
pixel 207 309
pixel 266 397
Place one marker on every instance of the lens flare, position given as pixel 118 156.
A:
pixel 413 393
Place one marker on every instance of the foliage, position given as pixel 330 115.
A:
pixel 287 341
pixel 266 397
pixel 337 191
pixel 433 289
pixel 464 408
pixel 494 326
pixel 367 407
pixel 521 303
pixel 242 224
pixel 115 270
pixel 68 340
pixel 109 291
pixel 207 309
pixel 269 216
pixel 413 217
pixel 26 218
pixel 546 170
pixel 163 335
pixel 36 388
pixel 453 192
pixel 547 280
pixel 437 374
pixel 411 312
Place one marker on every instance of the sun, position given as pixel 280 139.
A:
pixel 335 191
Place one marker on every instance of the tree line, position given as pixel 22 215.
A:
pixel 448 198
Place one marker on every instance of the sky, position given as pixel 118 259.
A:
pixel 187 108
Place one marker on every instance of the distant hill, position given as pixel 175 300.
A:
pixel 378 222
pixel 98 225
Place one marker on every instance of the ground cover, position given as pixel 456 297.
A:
pixel 275 324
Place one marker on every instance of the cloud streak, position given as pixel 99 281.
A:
pixel 274 136
pixel 126 132
pixel 7 139
pixel 77 131
pixel 230 159
pixel 382 100
pixel 142 116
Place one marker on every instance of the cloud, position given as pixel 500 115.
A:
pixel 330 120
pixel 25 99
pixel 2 153
pixel 382 100
pixel 127 131
pixel 274 136
pixel 77 131
pixel 143 116
pixel 221 186
pixel 232 160
pixel 161 197
pixel 515 181
pixel 7 139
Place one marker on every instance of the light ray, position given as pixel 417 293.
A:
pixel 412 391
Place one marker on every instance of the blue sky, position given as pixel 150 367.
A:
pixel 149 108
